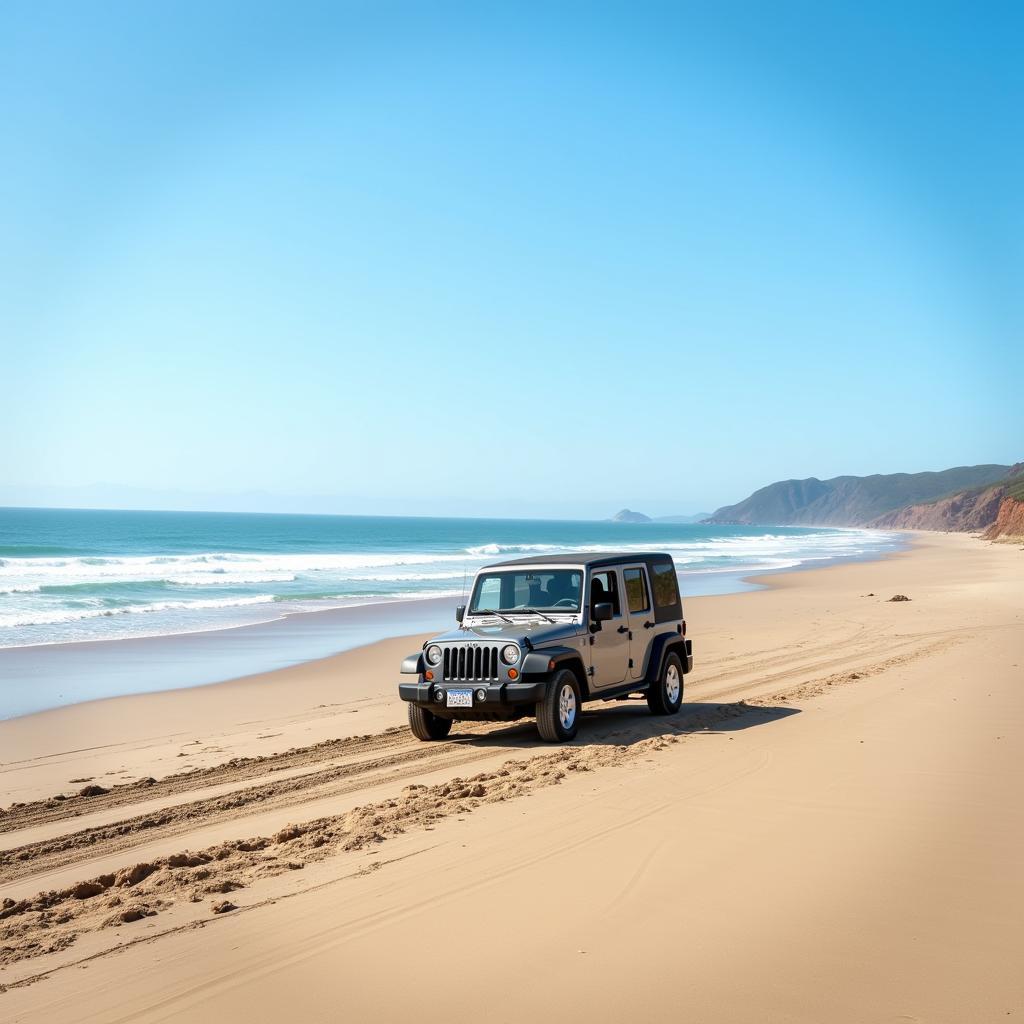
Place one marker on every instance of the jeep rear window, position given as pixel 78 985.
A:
pixel 548 590
pixel 665 585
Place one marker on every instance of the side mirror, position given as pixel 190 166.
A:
pixel 460 612
pixel 603 611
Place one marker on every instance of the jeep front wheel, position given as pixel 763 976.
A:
pixel 558 712
pixel 426 725
pixel 665 697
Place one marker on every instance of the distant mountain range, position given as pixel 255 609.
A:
pixel 965 498
pixel 629 516
pixel 987 498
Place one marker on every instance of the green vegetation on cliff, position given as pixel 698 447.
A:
pixel 854 500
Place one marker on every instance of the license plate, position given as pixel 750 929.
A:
pixel 460 698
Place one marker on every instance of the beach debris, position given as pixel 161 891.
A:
pixel 899 597
pixel 225 886
pixel 188 860
pixel 83 890
pixel 223 907
pixel 93 790
pixel 136 912
pixel 135 874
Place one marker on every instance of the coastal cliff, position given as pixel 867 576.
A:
pixel 1009 524
pixel 966 512
pixel 998 510
pixel 857 500
pixel 967 499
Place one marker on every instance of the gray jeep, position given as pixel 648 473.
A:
pixel 541 635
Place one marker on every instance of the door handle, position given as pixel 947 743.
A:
pixel 623 629
pixel 649 625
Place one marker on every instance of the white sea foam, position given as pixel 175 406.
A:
pixel 66 571
pixel 76 615
pixel 258 567
pixel 220 578
pixel 111 596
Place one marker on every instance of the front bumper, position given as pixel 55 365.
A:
pixel 497 695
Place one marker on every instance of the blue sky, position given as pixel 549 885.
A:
pixel 544 259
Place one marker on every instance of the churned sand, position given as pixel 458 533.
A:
pixel 830 831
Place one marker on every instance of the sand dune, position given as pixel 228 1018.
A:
pixel 830 830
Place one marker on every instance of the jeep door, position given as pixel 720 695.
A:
pixel 609 653
pixel 640 616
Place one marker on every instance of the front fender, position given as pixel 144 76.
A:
pixel 547 660
pixel 413 665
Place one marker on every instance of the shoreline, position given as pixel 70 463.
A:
pixel 210 657
pixel 70 576
pixel 303 701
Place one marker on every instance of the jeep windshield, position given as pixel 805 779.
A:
pixel 527 592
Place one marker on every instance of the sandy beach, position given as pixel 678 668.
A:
pixel 830 830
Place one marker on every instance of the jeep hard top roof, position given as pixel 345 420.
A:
pixel 590 559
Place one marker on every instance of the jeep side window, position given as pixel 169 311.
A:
pixel 636 590
pixel 665 585
pixel 604 588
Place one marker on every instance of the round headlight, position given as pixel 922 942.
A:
pixel 434 654
pixel 510 654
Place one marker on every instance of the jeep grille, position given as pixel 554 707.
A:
pixel 474 663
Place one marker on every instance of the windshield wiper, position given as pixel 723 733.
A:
pixel 491 611
pixel 535 611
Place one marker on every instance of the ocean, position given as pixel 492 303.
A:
pixel 74 577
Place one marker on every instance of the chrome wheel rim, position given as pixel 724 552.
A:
pixel 567 706
pixel 672 686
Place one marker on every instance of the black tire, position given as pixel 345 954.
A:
pixel 665 697
pixel 426 725
pixel 558 716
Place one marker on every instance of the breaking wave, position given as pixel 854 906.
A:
pixel 73 615
pixel 53 594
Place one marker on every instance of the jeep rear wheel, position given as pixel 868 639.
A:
pixel 665 697
pixel 558 713
pixel 426 725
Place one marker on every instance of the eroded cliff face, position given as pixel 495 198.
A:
pixel 1009 524
pixel 965 512
pixel 998 510
pixel 857 500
